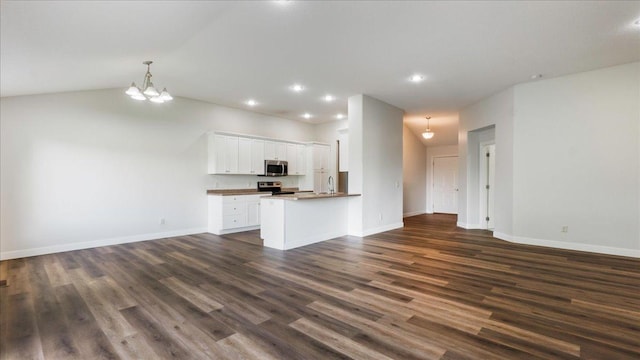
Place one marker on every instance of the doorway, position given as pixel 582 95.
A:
pixel 445 184
pixel 487 167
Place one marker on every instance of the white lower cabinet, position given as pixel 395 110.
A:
pixel 229 214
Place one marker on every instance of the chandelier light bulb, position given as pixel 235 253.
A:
pixel 133 90
pixel 428 134
pixel 157 100
pixel 138 96
pixel 150 90
pixel 165 95
pixel 416 78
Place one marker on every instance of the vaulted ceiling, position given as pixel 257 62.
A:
pixel 229 52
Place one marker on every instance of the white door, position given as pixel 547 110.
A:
pixel 445 185
pixel 487 190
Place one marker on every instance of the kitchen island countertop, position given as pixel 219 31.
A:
pixel 311 196
pixel 235 192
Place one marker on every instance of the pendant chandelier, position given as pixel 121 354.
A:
pixel 428 134
pixel 148 91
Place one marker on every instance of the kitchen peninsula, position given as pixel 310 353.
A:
pixel 291 221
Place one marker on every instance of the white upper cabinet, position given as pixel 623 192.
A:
pixel 250 156
pixel 296 157
pixel 230 154
pixel 321 157
pixel 257 157
pixel 301 161
pixel 223 154
pixel 244 156
pixel 275 150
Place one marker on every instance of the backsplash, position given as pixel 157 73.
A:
pixel 246 181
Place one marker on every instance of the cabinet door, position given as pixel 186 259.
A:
pixel 220 154
pixel 257 157
pixel 292 158
pixel 320 178
pixel 253 213
pixel 244 156
pixel 281 151
pixel 275 150
pixel 301 161
pixel 321 157
pixel 231 154
pixel 269 150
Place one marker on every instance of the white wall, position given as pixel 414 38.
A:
pixel 375 165
pixel 576 159
pixel 567 154
pixel 414 174
pixel 90 168
pixel 433 152
pixel 497 111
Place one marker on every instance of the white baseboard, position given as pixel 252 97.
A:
pixel 6 255
pixel 469 226
pixel 412 213
pixel 231 231
pixel 367 232
pixel 568 245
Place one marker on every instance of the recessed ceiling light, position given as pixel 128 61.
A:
pixel 281 2
pixel 251 102
pixel 340 116
pixel 306 116
pixel 329 98
pixel 536 76
pixel 297 87
pixel 416 78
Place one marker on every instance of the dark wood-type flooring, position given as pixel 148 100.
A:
pixel 428 291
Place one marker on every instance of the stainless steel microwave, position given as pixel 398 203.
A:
pixel 275 168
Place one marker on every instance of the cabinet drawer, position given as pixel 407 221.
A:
pixel 234 221
pixel 253 198
pixel 233 199
pixel 234 208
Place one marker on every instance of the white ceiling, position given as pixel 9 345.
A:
pixel 228 52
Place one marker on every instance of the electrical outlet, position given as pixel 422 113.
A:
pixel 162 221
pixel 565 229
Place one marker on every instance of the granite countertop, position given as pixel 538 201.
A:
pixel 311 196
pixel 235 192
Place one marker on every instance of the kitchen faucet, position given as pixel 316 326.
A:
pixel 330 183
